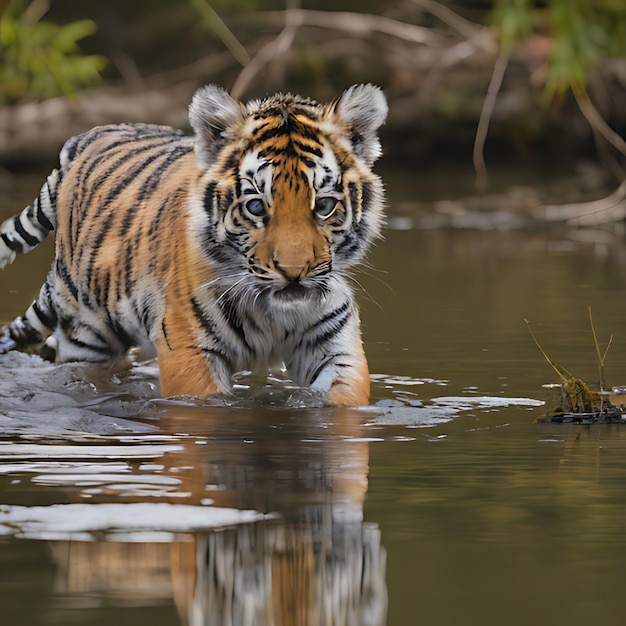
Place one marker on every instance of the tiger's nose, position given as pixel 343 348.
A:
pixel 292 271
pixel 299 254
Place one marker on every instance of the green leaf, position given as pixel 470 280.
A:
pixel 41 59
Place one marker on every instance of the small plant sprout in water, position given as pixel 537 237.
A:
pixel 575 401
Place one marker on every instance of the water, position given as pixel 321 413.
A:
pixel 444 502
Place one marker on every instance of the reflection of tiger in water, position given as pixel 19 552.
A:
pixel 225 251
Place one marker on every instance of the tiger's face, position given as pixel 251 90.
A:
pixel 289 200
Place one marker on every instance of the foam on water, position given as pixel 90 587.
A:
pixel 118 521
pixel 38 397
pixel 41 397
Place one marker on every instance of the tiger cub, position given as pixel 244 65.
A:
pixel 224 251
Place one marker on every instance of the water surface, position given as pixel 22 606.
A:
pixel 443 502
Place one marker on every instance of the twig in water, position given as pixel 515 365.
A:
pixel 601 357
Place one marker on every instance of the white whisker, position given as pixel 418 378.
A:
pixel 360 286
pixel 225 278
pixel 362 268
pixel 233 286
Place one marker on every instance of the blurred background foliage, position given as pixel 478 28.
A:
pixel 434 58
pixel 578 34
pixel 41 59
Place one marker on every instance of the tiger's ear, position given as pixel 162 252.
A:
pixel 364 109
pixel 211 113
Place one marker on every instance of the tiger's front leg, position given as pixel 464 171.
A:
pixel 337 368
pixel 186 366
pixel 184 371
pixel 352 385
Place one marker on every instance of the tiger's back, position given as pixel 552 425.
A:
pixel 224 251
pixel 121 208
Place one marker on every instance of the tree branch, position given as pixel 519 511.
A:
pixel 278 46
pixel 360 24
pixel 485 117
pixel 603 211
pixel 596 121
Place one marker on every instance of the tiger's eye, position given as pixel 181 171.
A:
pixel 255 207
pixel 325 207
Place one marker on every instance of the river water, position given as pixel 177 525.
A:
pixel 445 501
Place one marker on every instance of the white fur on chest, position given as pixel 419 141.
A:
pixel 271 329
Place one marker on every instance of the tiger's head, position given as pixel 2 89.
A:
pixel 286 187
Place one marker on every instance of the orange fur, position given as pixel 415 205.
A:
pixel 293 243
pixel 225 251
pixel 352 388
pixel 184 369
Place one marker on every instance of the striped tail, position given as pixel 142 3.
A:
pixel 29 228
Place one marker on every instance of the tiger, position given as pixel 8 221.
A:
pixel 225 250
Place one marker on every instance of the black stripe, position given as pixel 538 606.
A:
pixel 32 335
pixel 42 219
pixel 48 321
pixel 63 273
pixel 31 240
pixel 46 298
pixel 53 191
pixel 97 294
pixel 208 197
pixel 129 262
pixel 130 174
pixel 271 133
pixel 218 253
pixel 353 190
pixel 337 320
pixel 229 310
pixel 308 162
pixel 252 322
pixel 16 246
pixel 96 336
pixel 309 131
pixel 212 352
pixel 302 147
pixel 318 370
pixel 71 147
pixel 88 266
pixel 330 316
pixel 348 245
pixel 86 300
pixel 94 249
pixel 167 341
pixel 230 164
pixel 105 350
pixel 153 179
pixel 366 195
pixel 331 333
pixel 206 322
pixel 217 200
pixel 110 153
pixel 147 313
pixel 101 292
pixel 135 304
pixel 131 213
pixel 118 331
pixel 262 125
pixel 154 225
